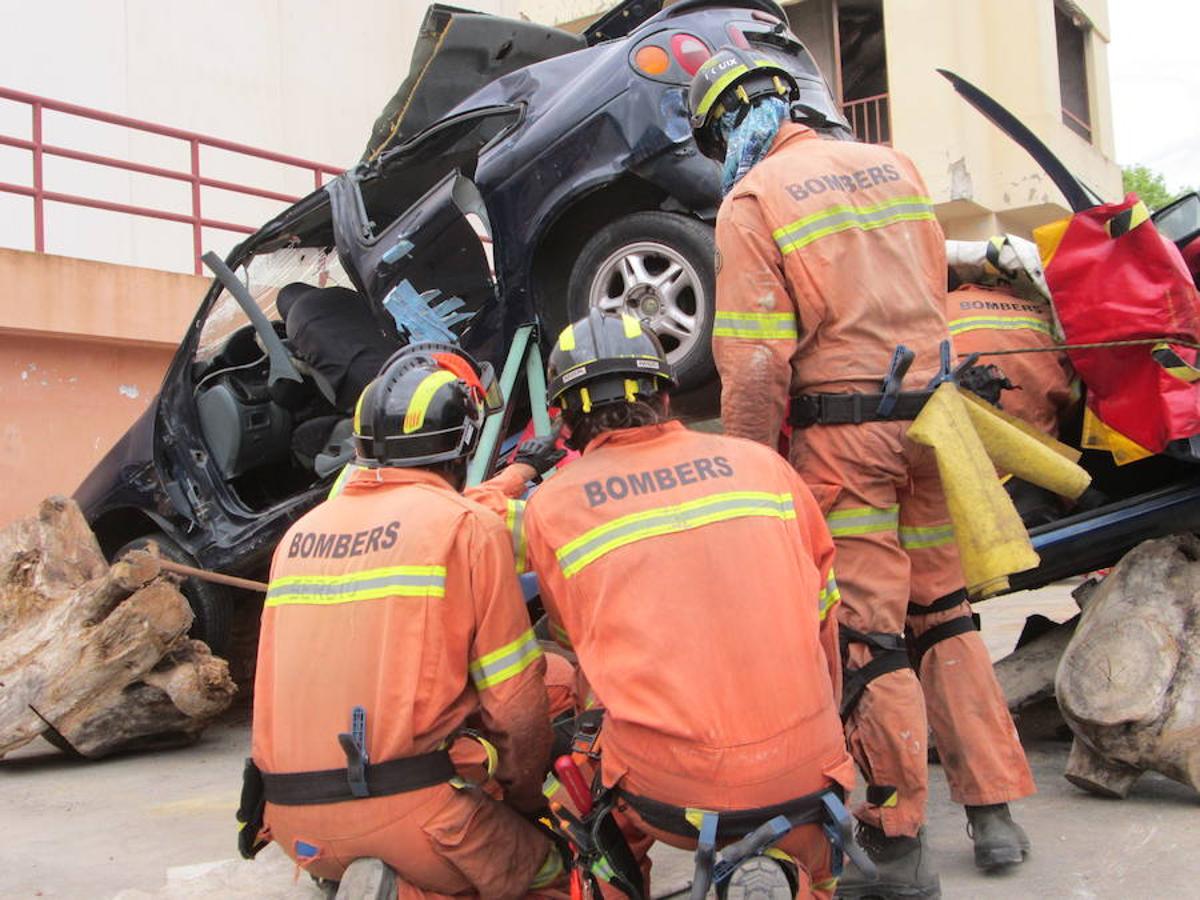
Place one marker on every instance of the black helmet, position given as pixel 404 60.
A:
pixel 732 79
pixel 426 406
pixel 605 359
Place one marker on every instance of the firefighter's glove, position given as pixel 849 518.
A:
pixel 540 453
pixel 985 382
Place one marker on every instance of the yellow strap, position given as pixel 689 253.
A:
pixel 1127 220
pixel 586 399
pixel 422 397
pixel 1098 435
pixel 1174 364
pixel 566 340
pixel 633 328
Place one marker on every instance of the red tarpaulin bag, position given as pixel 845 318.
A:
pixel 1115 278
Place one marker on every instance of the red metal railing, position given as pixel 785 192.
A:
pixel 870 117
pixel 39 150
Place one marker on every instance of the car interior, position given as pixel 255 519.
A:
pixel 271 439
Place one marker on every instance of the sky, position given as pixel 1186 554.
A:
pixel 1155 72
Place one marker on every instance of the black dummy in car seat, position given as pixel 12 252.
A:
pixel 333 330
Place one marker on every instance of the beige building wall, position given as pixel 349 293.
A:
pixel 83 349
pixel 303 77
pixel 981 181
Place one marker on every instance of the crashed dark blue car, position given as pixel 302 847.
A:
pixel 521 174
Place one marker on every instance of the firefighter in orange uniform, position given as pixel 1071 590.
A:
pixel 692 574
pixel 829 257
pixel 1004 304
pixel 999 300
pixel 395 645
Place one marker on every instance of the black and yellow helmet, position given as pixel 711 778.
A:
pixel 605 359
pixel 426 406
pixel 731 80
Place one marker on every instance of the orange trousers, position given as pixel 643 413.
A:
pixel 884 504
pixel 447 841
pixel 442 842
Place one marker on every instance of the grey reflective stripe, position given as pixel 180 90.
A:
pixel 841 218
pixel 373 584
pixel 862 520
pixel 366 584
pixel 511 659
pixel 919 538
pixel 681 517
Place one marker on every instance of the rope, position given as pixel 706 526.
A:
pixel 1057 348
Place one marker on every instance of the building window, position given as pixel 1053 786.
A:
pixel 1071 31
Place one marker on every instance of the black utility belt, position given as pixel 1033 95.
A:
pixel 853 409
pixel 732 824
pixel 396 776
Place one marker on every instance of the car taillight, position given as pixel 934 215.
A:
pixel 736 36
pixel 689 51
pixel 652 60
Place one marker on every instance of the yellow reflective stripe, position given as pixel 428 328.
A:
pixel 340 481
pixel 844 217
pixel 1174 364
pixel 358 408
pixel 829 597
pixel 508 661
pixel 827 885
pixel 862 520
pixel 755 326
pixel 603 869
pixel 999 323
pixel 718 88
pixel 913 538
pixel 672 519
pixel 515 520
pixel 550 786
pixel 421 398
pixel 566 340
pixel 551 869
pixel 373 584
pixel 633 328
pixel 560 635
pixel 1127 220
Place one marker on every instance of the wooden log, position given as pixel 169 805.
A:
pixel 96 657
pixel 1129 681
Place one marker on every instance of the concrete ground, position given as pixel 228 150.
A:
pixel 162 826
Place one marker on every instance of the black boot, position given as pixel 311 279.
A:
pixel 905 868
pixel 999 841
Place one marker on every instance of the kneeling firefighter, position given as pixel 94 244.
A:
pixel 828 255
pixel 395 645
pixel 692 575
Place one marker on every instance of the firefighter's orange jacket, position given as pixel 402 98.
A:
pixel 693 575
pixel 398 595
pixel 810 299
pixel 983 318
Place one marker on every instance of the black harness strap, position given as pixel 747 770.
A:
pixel 733 824
pixel 807 410
pixel 396 776
pixel 941 604
pixel 939 633
pixel 889 653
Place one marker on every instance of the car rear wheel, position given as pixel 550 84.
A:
pixel 657 267
pixel 211 605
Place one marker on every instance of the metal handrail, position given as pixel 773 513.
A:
pixel 39 150
pixel 870 118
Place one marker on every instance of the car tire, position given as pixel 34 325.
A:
pixel 657 266
pixel 211 604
